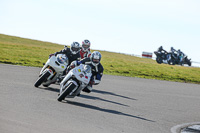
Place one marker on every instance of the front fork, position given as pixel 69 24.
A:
pixel 49 71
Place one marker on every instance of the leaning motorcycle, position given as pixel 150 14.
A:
pixel 75 81
pixel 52 70
pixel 187 61
pixel 161 57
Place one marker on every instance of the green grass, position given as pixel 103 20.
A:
pixel 27 52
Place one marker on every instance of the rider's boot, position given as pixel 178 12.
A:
pixel 88 88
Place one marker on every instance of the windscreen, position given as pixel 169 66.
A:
pixel 87 69
pixel 62 59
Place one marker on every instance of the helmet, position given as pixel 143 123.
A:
pixel 95 58
pixel 75 47
pixel 160 48
pixel 86 45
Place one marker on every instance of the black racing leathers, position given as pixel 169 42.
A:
pixel 69 54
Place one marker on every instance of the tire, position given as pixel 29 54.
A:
pixel 158 60
pixel 189 63
pixel 42 79
pixel 66 92
pixel 171 62
pixel 46 85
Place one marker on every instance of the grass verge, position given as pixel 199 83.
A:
pixel 27 52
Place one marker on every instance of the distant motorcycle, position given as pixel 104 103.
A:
pixel 75 81
pixel 161 57
pixel 187 61
pixel 180 60
pixel 173 59
pixel 52 70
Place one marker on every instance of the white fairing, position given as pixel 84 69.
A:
pixel 82 76
pixel 55 66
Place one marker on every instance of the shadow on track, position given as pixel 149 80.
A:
pixel 105 110
pixel 101 99
pixel 93 91
pixel 111 93
pixel 50 89
pixel 86 96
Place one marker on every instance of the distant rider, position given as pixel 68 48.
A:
pixel 97 69
pixel 163 53
pixel 173 52
pixel 181 56
pixel 85 50
pixel 161 50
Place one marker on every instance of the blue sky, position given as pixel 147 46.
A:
pixel 126 26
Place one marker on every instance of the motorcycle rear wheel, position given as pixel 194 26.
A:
pixel 42 79
pixel 66 92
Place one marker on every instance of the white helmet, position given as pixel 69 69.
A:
pixel 86 45
pixel 95 58
pixel 75 47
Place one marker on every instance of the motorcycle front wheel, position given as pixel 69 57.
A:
pixel 42 79
pixel 158 60
pixel 66 92
pixel 189 63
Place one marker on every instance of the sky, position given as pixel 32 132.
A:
pixel 124 26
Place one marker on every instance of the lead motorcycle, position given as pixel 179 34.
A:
pixel 161 57
pixel 52 70
pixel 75 81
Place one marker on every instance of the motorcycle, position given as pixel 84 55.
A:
pixel 75 81
pixel 173 59
pixel 161 57
pixel 187 61
pixel 52 70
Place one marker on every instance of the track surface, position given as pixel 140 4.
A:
pixel 117 105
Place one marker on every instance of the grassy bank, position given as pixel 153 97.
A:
pixel 26 52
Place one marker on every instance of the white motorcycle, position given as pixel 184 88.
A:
pixel 52 70
pixel 75 81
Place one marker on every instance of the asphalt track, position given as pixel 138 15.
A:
pixel 117 105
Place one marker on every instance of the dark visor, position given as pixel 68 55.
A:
pixel 75 49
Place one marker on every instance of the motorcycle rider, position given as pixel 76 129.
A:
pixel 181 56
pixel 85 50
pixel 161 50
pixel 171 53
pixel 97 69
pixel 172 50
pixel 72 53
pixel 163 53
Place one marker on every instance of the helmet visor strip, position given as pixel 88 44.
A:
pixel 75 49
pixel 95 60
pixel 85 46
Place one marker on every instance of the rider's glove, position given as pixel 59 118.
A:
pixel 73 64
pixel 91 82
pixel 50 55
